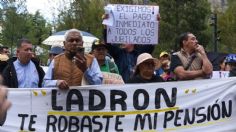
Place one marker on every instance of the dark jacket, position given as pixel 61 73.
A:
pixel 232 73
pixel 10 77
pixel 124 60
pixel 139 79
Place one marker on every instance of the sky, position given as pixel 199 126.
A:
pixel 44 6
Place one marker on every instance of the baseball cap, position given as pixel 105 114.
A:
pixel 164 53
pixel 98 43
pixel 230 58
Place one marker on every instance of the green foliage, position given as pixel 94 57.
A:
pixel 179 16
pixel 227 26
pixel 17 23
pixel 83 15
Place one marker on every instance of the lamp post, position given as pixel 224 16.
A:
pixel 145 2
pixel 215 31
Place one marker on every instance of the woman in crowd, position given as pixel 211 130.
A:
pixel 144 71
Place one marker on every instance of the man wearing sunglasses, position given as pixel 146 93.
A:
pixel 70 68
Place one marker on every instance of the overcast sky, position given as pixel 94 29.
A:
pixel 44 6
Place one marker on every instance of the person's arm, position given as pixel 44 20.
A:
pixel 207 67
pixel 4 103
pixel 182 74
pixel 187 75
pixel 93 74
pixel 48 80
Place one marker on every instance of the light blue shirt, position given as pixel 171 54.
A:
pixel 27 75
pixel 93 75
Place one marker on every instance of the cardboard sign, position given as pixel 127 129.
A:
pixel 132 24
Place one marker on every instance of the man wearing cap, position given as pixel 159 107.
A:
pixel 191 61
pixel 99 50
pixel 70 68
pixel 230 61
pixel 164 58
pixel 144 71
pixel 54 52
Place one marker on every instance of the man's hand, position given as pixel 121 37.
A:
pixel 81 62
pixel 4 103
pixel 158 17
pixel 105 16
pixel 62 84
pixel 200 50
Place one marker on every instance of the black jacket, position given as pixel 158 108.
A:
pixel 10 77
pixel 139 79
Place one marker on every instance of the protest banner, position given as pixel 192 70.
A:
pixel 220 74
pixel 200 105
pixel 132 24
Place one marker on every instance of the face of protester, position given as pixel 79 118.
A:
pixel 146 69
pixel 6 51
pixel 165 57
pixel 222 66
pixel 100 53
pixel 191 43
pixel 72 42
pixel 24 53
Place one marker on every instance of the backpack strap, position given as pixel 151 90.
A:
pixel 190 62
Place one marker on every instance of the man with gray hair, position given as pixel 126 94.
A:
pixel 73 66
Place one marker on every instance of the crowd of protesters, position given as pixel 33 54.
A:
pixel 70 66
pixel 133 63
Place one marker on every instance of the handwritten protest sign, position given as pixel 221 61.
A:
pixel 133 24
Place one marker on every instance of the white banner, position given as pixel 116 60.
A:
pixel 132 24
pixel 185 106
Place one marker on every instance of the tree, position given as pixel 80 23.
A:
pixel 178 16
pixel 83 15
pixel 17 23
pixel 227 26
pixel 13 20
